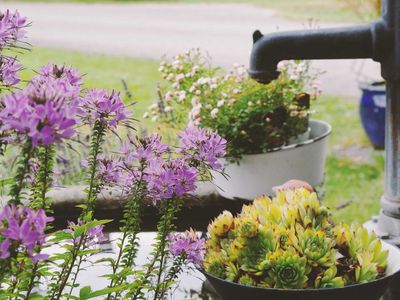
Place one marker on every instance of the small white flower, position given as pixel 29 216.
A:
pixel 267 119
pixel 195 101
pixel 154 106
pixel 231 102
pixel 175 85
pixel 250 103
pixel 182 96
pixel 213 86
pixel 168 108
pixel 236 91
pixel 154 119
pixel 168 96
pixel 220 103
pixel 145 115
pixel 170 76
pixel 214 113
pixel 192 88
pixel 195 112
pixel 198 92
pixel 161 68
pixel 179 77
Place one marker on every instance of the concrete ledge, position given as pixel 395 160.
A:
pixel 197 211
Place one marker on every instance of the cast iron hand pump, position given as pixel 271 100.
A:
pixel 380 41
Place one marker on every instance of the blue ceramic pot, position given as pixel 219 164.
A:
pixel 372 112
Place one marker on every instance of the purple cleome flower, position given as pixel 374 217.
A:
pixel 169 179
pixel 11 30
pixel 93 235
pixel 187 244
pixel 144 150
pixel 202 145
pixel 23 228
pixel 69 74
pixel 9 68
pixel 45 111
pixel 97 104
pixel 11 27
pixel 110 170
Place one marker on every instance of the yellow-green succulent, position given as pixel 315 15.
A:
pixel 328 279
pixel 291 242
pixel 288 270
pixel 221 225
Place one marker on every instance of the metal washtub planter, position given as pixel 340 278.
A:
pixel 257 174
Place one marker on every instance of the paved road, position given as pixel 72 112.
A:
pixel 152 30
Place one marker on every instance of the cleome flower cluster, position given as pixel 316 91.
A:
pixel 50 113
pixel 11 32
pixel 291 242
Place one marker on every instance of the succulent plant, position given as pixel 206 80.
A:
pixel 291 242
pixel 287 269
pixel 221 225
pixel 328 279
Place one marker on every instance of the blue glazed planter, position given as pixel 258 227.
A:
pixel 372 112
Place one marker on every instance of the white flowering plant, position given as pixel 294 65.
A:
pixel 253 118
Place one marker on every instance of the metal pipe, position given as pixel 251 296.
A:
pixel 337 43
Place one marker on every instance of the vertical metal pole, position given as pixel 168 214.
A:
pixel 390 215
pixel 392 144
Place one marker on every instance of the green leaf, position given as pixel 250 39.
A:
pixel 61 236
pixel 6 181
pixel 107 291
pixel 95 223
pixel 85 293
pixel 79 230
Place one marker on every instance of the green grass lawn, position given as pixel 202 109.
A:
pixel 324 10
pixel 100 71
pixel 353 182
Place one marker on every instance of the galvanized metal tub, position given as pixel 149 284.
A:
pixel 256 174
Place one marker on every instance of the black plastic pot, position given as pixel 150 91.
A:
pixel 369 291
pixel 373 290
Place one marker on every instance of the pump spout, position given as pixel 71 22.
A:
pixel 337 43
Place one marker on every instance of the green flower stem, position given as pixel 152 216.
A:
pixel 97 140
pixel 22 170
pixel 40 201
pixel 94 184
pixel 78 268
pixel 130 230
pixel 173 274
pixel 31 281
pixel 43 179
pixel 67 270
pixel 169 209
